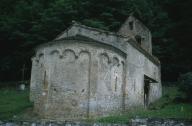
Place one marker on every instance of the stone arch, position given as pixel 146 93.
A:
pixel 110 80
pixel 69 55
pixel 85 56
pixel 104 77
pixel 70 81
pixel 40 58
pixel 84 52
pixel 69 50
pixel 40 55
pixel 104 58
pixel 116 74
pixel 115 61
pixel 54 52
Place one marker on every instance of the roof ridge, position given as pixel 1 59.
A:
pixel 75 23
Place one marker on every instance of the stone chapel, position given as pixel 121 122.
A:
pixel 87 72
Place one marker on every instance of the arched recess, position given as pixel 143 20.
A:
pixel 38 82
pixel 69 55
pixel 104 77
pixel 70 83
pixel 40 55
pixel 85 63
pixel 54 52
pixel 115 77
pixel 110 82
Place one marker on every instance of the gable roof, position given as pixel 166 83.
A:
pixel 78 31
pixel 94 33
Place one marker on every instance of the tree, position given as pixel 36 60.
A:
pixel 25 24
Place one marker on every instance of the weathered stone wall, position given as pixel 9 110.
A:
pixel 73 77
pixel 138 65
pixel 137 30
pixel 86 72
pixel 77 78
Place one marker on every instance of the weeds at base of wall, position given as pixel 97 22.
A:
pixel 15 105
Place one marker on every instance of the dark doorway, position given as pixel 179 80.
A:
pixel 147 82
pixel 146 92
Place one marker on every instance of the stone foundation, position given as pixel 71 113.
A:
pixel 133 122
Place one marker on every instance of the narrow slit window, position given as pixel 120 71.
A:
pixel 45 83
pixel 138 39
pixel 131 25
pixel 115 84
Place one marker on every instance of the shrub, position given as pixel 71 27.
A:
pixel 185 85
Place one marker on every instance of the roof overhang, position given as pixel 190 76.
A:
pixel 150 80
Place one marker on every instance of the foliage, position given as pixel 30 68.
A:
pixel 174 111
pixel 25 24
pixel 165 107
pixel 170 94
pixel 185 84
pixel 15 104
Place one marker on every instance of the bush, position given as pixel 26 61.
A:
pixel 171 95
pixel 185 85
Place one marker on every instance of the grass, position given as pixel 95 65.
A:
pixel 13 102
pixel 176 111
pixel 16 104
pixel 165 107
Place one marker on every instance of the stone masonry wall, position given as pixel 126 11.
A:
pixel 138 29
pixel 86 73
pixel 77 80
pixel 137 65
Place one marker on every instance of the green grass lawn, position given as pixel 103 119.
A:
pixel 165 107
pixel 16 104
pixel 13 102
pixel 176 111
